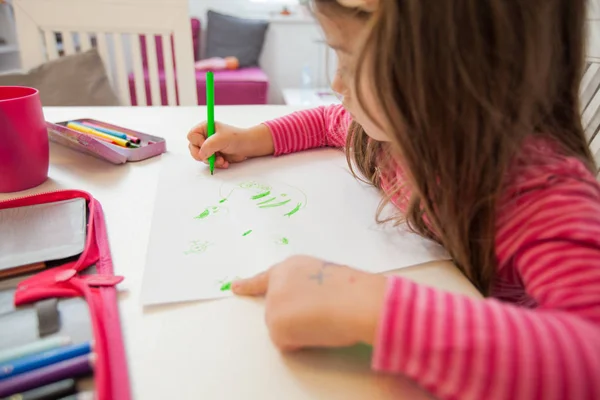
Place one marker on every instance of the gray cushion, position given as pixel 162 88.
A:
pixel 76 80
pixel 229 36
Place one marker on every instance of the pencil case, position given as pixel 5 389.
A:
pixel 150 145
pixel 83 290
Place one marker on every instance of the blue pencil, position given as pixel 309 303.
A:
pixel 112 132
pixel 43 359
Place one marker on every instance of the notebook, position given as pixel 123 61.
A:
pixel 43 232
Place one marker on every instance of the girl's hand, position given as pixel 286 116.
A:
pixel 313 303
pixel 230 144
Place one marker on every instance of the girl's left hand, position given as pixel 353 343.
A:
pixel 313 303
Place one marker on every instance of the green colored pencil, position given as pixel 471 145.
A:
pixel 210 111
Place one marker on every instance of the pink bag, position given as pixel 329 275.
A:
pixel 110 372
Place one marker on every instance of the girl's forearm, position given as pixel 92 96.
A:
pixel 259 141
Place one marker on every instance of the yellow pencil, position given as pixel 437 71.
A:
pixel 84 129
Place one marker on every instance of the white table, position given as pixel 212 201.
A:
pixel 217 349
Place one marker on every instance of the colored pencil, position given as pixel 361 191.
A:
pixel 210 111
pixel 20 270
pixel 112 132
pixel 33 348
pixel 73 368
pixel 43 359
pixel 106 140
pixel 52 391
pixel 84 129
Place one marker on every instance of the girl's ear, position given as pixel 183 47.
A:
pixel 365 5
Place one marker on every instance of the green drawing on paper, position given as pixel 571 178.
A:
pixel 210 211
pixel 264 195
pixel 254 185
pixel 283 241
pixel 294 211
pixel 283 199
pixel 197 247
pixel 204 214
pixel 261 195
pixel 276 204
pixel 225 284
pixel 266 201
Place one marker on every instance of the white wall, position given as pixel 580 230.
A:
pixel 289 48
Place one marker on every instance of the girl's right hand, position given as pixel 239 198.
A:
pixel 230 144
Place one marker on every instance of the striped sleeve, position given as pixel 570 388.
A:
pixel 303 130
pixel 463 348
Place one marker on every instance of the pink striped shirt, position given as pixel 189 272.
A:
pixel 538 336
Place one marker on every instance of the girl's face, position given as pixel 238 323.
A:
pixel 345 35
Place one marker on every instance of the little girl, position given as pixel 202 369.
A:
pixel 465 114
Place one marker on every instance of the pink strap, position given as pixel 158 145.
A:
pixel 110 373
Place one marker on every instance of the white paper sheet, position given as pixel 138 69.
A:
pixel 208 230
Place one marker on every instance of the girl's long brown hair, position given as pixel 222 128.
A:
pixel 462 83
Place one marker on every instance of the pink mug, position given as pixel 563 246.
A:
pixel 24 153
